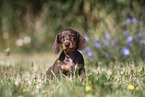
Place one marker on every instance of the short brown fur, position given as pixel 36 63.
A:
pixel 71 41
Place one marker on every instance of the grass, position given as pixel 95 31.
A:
pixel 114 56
pixel 24 76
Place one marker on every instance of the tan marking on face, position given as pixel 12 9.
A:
pixel 71 47
pixel 69 34
pixel 62 36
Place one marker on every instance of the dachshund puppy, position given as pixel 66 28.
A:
pixel 70 58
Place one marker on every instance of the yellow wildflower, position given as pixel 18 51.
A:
pixel 123 80
pixel 20 96
pixel 130 87
pixel 88 88
pixel 137 88
pixel 51 92
pixel 139 70
pixel 89 95
pixel 24 90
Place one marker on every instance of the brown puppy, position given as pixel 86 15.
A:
pixel 71 41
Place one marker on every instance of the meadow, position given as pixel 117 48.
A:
pixel 114 64
pixel 24 76
pixel 114 56
pixel 114 67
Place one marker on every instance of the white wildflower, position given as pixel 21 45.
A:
pixel 19 42
pixel 17 82
pixel 37 86
pixel 7 50
pixel 27 39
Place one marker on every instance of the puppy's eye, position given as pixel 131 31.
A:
pixel 62 36
pixel 69 34
pixel 72 35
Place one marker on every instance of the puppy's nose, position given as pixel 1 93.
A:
pixel 67 44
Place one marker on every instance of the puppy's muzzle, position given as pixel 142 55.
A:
pixel 67 43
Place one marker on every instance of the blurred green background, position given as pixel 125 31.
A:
pixel 114 56
pixel 31 25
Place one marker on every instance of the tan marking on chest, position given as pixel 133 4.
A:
pixel 69 61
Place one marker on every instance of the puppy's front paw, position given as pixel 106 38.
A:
pixel 66 67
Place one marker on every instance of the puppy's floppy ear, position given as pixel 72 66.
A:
pixel 56 47
pixel 81 42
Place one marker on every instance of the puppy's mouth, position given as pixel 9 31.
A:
pixel 69 49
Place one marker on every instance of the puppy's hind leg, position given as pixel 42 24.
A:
pixel 54 70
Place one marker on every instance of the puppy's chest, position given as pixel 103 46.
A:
pixel 69 61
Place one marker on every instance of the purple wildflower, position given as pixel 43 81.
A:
pixel 130 44
pixel 142 41
pixel 139 35
pixel 141 23
pixel 103 47
pixel 115 42
pixel 129 39
pixel 89 54
pixel 107 35
pixel 134 20
pixel 126 33
pixel 106 54
pixel 88 48
pixel 107 42
pixel 128 20
pixel 125 51
pixel 97 44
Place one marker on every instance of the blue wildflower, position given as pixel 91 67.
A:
pixel 107 42
pixel 97 44
pixel 142 41
pixel 103 47
pixel 88 48
pixel 141 23
pixel 139 35
pixel 134 20
pixel 89 54
pixel 126 33
pixel 125 51
pixel 106 54
pixel 130 44
pixel 128 20
pixel 107 35
pixel 115 42
pixel 87 39
pixel 129 39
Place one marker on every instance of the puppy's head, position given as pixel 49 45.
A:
pixel 70 40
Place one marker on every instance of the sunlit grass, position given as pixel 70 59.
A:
pixel 24 76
